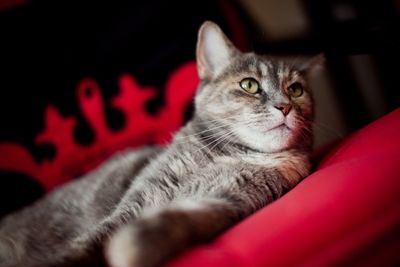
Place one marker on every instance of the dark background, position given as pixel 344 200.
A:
pixel 46 47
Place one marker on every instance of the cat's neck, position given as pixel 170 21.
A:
pixel 293 163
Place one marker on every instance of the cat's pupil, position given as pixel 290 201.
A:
pixel 249 85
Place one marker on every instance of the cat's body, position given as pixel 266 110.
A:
pixel 225 164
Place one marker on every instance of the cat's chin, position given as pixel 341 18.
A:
pixel 270 141
pixel 278 138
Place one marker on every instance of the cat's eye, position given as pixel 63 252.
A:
pixel 295 90
pixel 250 85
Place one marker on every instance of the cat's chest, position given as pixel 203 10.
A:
pixel 188 164
pixel 249 159
pixel 292 166
pixel 177 165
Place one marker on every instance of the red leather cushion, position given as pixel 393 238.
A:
pixel 346 213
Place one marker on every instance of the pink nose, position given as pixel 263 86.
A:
pixel 285 108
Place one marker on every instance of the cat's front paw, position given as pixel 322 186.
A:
pixel 143 243
pixel 156 237
pixel 122 249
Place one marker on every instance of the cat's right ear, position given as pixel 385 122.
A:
pixel 214 51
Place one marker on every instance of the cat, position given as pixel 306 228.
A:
pixel 248 143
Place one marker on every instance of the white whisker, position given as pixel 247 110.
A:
pixel 213 142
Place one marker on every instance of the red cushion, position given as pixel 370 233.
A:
pixel 346 213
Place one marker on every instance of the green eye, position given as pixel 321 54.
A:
pixel 295 90
pixel 250 85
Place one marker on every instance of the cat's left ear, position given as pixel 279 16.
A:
pixel 313 65
pixel 214 51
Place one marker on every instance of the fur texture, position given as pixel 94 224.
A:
pixel 240 152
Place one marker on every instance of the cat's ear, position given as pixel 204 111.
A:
pixel 313 65
pixel 214 51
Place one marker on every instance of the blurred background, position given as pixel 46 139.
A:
pixel 48 47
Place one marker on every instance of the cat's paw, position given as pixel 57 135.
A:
pixel 146 242
pixel 122 249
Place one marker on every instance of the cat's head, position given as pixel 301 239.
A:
pixel 256 101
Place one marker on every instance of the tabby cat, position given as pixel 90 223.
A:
pixel 247 144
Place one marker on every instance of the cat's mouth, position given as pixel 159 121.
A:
pixel 282 126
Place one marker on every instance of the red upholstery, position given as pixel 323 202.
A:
pixel 347 213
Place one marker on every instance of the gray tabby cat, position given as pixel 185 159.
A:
pixel 247 144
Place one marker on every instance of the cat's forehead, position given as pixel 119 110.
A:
pixel 270 72
pixel 263 66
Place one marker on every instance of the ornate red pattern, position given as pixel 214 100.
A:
pixel 72 159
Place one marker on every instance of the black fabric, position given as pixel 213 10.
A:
pixel 19 191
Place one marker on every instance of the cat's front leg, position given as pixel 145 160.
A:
pixel 168 230
pixel 160 234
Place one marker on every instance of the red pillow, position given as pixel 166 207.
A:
pixel 346 213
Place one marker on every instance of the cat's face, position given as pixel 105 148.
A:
pixel 252 100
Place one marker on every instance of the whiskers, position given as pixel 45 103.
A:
pixel 208 133
pixel 308 128
pixel 221 134
pixel 325 129
pixel 217 141
pixel 224 131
